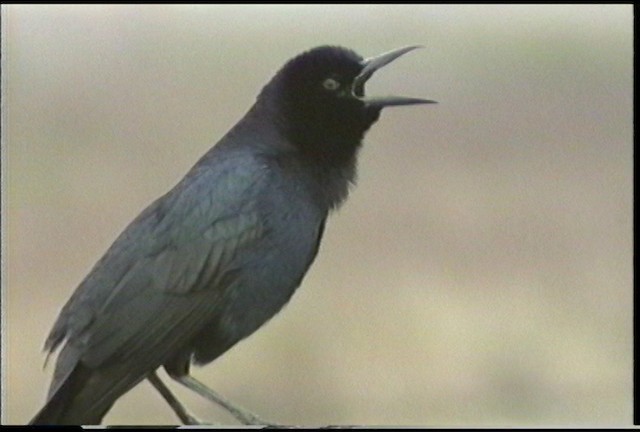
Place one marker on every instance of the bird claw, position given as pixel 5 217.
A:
pixel 191 420
pixel 246 419
pixel 249 419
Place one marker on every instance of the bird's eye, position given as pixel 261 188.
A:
pixel 331 84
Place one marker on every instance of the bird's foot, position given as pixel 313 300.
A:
pixel 246 417
pixel 243 416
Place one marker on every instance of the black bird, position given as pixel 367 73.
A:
pixel 209 262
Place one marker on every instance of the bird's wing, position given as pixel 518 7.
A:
pixel 162 279
pixel 166 298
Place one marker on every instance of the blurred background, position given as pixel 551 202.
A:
pixel 481 272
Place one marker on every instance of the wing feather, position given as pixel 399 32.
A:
pixel 166 299
pixel 163 277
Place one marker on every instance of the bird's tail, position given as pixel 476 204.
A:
pixel 85 396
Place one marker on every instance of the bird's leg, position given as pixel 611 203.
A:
pixel 242 415
pixel 177 407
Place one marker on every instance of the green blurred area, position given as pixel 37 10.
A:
pixel 480 273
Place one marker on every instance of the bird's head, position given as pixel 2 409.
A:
pixel 320 95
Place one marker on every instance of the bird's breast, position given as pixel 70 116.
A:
pixel 269 272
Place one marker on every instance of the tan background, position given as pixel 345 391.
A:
pixel 481 272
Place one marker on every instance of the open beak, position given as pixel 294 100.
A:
pixel 371 65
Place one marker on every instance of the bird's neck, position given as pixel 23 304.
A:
pixel 327 175
pixel 334 183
